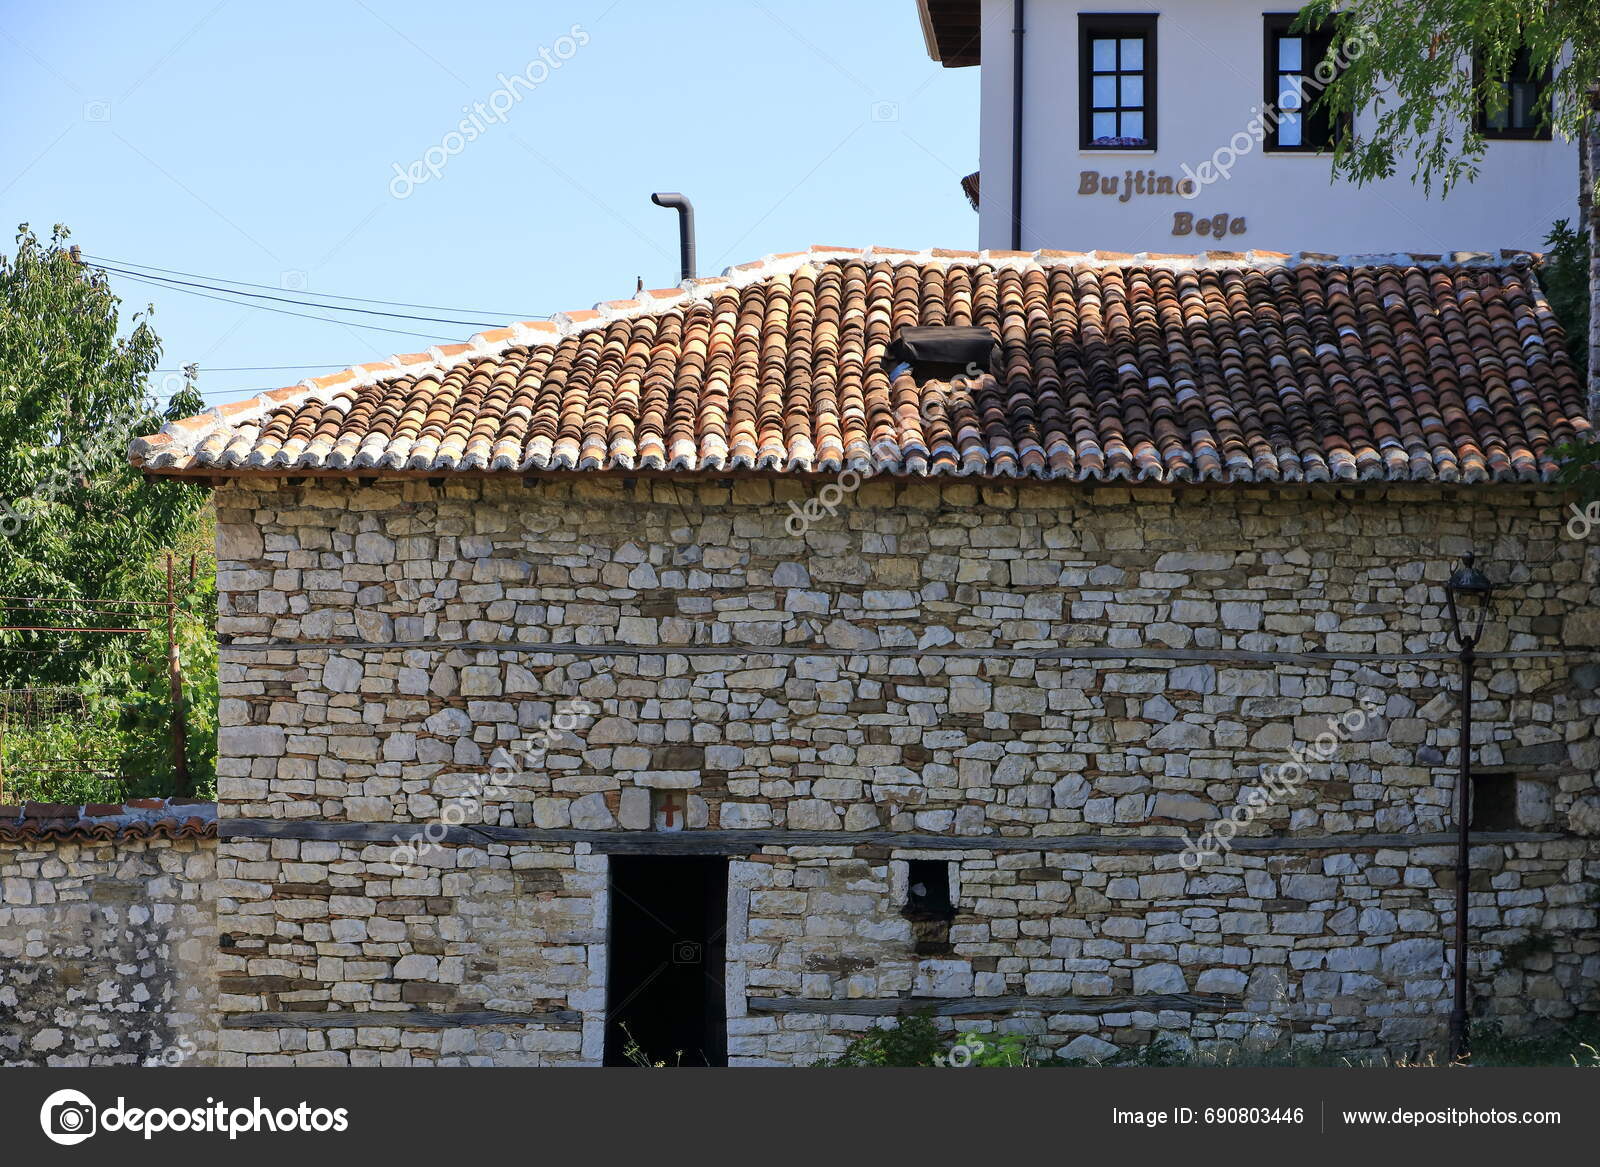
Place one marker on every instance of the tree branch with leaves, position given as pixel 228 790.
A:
pixel 1417 94
pixel 76 520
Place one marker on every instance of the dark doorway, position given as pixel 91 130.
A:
pixel 664 985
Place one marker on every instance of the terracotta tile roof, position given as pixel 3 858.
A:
pixel 1225 367
pixel 139 818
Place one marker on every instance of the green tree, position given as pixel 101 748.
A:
pixel 75 519
pixel 1565 278
pixel 1413 85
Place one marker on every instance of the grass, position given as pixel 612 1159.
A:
pixel 1575 1045
pixel 916 1041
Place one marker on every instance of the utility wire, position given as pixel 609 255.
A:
pixel 212 391
pixel 325 295
pixel 168 280
pixel 286 312
pixel 250 368
pixel 207 394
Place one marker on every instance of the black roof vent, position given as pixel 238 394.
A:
pixel 942 352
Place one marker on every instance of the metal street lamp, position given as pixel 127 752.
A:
pixel 1468 594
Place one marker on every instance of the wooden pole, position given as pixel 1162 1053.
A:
pixel 180 727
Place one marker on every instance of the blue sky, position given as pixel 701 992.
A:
pixel 258 142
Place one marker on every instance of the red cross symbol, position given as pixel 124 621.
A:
pixel 669 807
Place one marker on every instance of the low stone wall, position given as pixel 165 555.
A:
pixel 108 934
pixel 471 956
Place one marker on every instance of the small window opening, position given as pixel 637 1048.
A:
pixel 929 905
pixel 928 889
pixel 1494 802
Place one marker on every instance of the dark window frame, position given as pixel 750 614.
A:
pixel 1119 26
pixel 1541 131
pixel 1314 47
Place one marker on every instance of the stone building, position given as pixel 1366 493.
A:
pixel 711 671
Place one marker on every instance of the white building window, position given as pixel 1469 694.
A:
pixel 1295 77
pixel 1117 81
pixel 1524 109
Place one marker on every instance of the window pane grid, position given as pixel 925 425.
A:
pixel 1117 88
pixel 1117 96
pixel 1292 59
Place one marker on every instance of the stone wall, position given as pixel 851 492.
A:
pixel 512 936
pixel 1335 951
pixel 108 940
pixel 1066 692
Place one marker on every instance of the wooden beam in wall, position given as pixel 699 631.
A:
pixel 399 1018
pixel 751 842
pixel 967 1006
pixel 1066 655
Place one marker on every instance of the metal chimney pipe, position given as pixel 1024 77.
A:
pixel 1018 60
pixel 675 201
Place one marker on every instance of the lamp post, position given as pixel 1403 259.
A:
pixel 1467 593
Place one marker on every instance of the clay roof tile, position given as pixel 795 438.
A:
pixel 1226 367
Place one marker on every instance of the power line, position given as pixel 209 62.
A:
pixel 163 281
pixel 212 397
pixel 286 312
pixel 324 295
pixel 253 368
pixel 207 394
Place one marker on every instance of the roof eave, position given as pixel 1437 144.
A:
pixel 216 476
pixel 951 30
pixel 929 39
